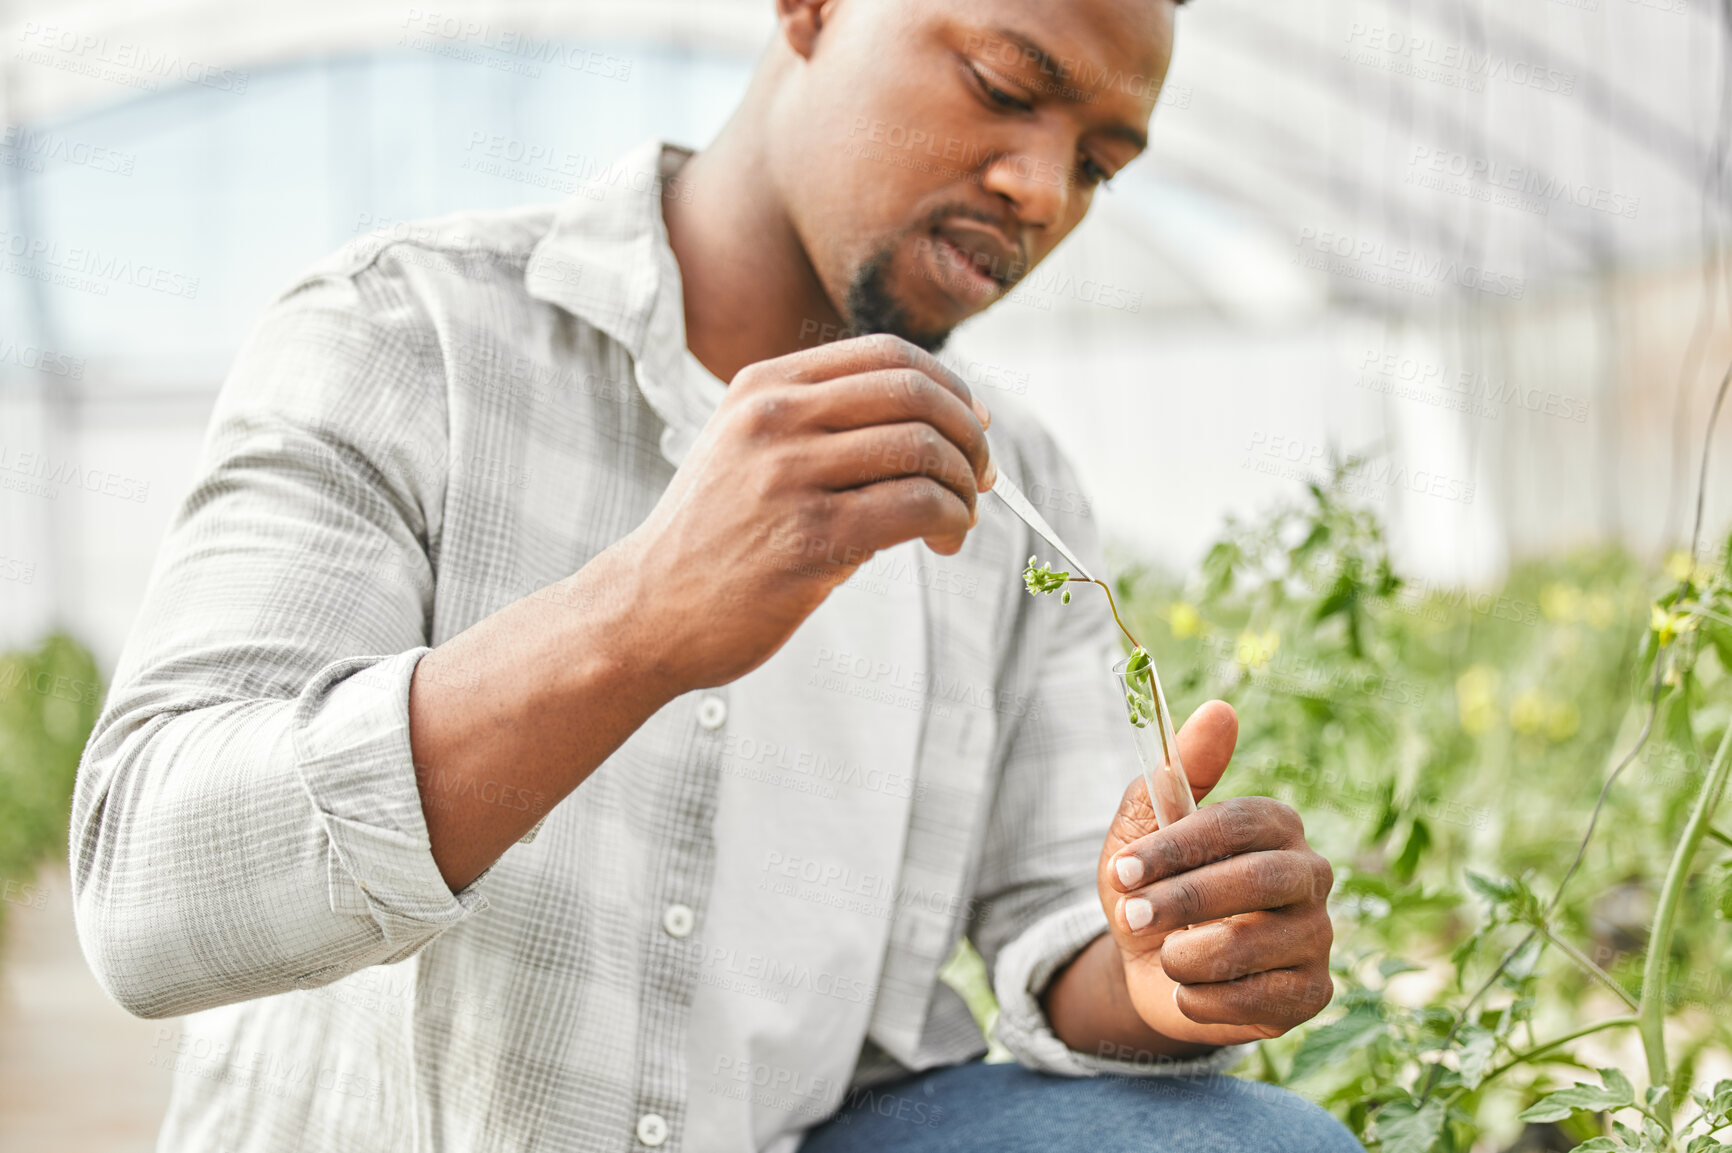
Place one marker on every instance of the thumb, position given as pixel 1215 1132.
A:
pixel 1206 745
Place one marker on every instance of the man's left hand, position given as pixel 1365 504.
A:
pixel 1220 918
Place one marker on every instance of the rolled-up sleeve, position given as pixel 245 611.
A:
pixel 1064 772
pixel 247 819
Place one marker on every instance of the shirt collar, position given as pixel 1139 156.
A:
pixel 606 259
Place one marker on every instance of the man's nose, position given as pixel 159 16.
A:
pixel 1035 180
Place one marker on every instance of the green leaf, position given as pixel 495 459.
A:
pixel 1393 966
pixel 1402 1128
pixel 1478 1046
pixel 1599 1145
pixel 1498 891
pixel 1418 840
pixel 1616 1093
pixel 1721 637
pixel 1723 893
pixel 1334 1042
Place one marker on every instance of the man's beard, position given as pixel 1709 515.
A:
pixel 872 308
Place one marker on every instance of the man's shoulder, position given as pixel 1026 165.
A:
pixel 469 246
pixel 1029 453
pixel 1022 439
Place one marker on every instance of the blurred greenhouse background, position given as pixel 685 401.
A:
pixel 1482 248
pixel 1482 241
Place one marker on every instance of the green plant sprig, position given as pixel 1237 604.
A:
pixel 1043 579
pixel 1144 709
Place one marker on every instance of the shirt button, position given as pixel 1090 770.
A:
pixel 712 711
pixel 652 1129
pixel 678 920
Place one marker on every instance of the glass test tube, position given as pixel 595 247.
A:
pixel 1157 743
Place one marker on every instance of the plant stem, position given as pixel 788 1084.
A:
pixel 1716 835
pixel 1588 966
pixel 1651 713
pixel 1576 1035
pixel 1652 1011
pixel 1111 604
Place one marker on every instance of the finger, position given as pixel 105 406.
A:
pixel 1212 833
pixel 866 456
pixel 881 515
pixel 870 353
pixel 1244 883
pixel 1235 947
pixel 1206 745
pixel 897 396
pixel 1277 1000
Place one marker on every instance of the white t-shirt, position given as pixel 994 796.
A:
pixel 810 822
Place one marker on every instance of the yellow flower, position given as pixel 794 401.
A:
pixel 1561 602
pixel 1476 699
pixel 1668 624
pixel 1184 620
pixel 1563 720
pixel 1602 610
pixel 1527 714
pixel 1681 566
pixel 1257 649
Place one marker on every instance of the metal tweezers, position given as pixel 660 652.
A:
pixel 1012 496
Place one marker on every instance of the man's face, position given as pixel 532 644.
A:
pixel 936 150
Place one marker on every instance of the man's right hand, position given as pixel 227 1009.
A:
pixel 813 463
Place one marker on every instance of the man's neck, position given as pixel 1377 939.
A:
pixel 750 291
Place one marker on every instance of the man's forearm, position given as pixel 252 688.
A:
pixel 515 712
pixel 1091 1011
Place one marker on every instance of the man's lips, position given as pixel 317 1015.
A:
pixel 974 262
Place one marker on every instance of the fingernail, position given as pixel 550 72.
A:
pixel 974 516
pixel 1130 870
pixel 1138 914
pixel 982 412
pixel 991 477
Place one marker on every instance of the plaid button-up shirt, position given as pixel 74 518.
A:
pixel 426 427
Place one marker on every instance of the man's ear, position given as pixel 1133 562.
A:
pixel 801 22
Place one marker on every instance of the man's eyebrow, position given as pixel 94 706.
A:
pixel 1033 53
pixel 1128 134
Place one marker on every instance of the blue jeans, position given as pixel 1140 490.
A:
pixel 978 1108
